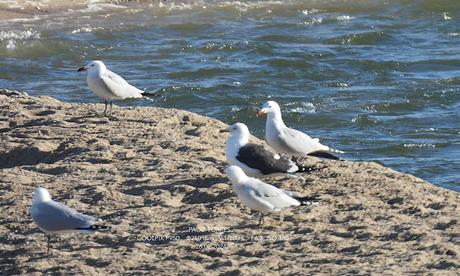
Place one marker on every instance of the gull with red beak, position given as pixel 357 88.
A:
pixel 107 85
pixel 289 141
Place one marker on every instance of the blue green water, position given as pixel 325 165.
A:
pixel 377 79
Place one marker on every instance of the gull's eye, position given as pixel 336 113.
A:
pixel 92 65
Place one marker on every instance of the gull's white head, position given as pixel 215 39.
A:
pixel 239 131
pixel 41 195
pixel 235 174
pixel 270 107
pixel 93 66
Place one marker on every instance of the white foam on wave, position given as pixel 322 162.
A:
pixel 97 6
pixel 446 16
pixel 12 37
pixel 315 18
pixel 305 107
pixel 420 146
pixel 241 6
pixel 344 18
pixel 19 35
pixel 312 21
pixel 87 29
pixel 308 12
pixel 235 108
pixel 431 129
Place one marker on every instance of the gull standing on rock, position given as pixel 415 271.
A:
pixel 289 141
pixel 260 196
pixel 254 159
pixel 107 85
pixel 55 218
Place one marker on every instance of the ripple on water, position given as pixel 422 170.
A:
pixel 365 38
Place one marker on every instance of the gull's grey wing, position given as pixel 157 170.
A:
pixel 118 87
pixel 297 141
pixel 272 194
pixel 53 216
pixel 116 78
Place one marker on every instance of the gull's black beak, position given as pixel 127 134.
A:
pixel 224 130
pixel 81 69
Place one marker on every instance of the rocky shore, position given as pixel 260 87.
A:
pixel 156 177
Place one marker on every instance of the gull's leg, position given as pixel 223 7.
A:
pixel 261 219
pixel 48 237
pixel 281 217
pixel 105 109
pixel 110 108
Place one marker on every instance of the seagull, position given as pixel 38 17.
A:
pixel 260 196
pixel 289 141
pixel 55 218
pixel 256 160
pixel 107 85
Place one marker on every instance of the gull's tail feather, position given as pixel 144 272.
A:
pixel 94 227
pixel 303 200
pixel 149 94
pixel 306 169
pixel 323 154
pixel 307 200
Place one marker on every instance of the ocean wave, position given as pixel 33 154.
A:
pixel 419 145
pixel 401 106
pixel 404 148
pixel 367 38
pixel 276 6
pixel 98 7
pixel 316 19
pixel 363 120
pixel 241 6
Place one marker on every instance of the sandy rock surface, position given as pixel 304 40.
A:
pixel 155 176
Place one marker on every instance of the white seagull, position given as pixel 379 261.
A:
pixel 289 141
pixel 260 196
pixel 256 160
pixel 107 85
pixel 55 218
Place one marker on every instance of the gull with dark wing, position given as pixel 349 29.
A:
pixel 256 160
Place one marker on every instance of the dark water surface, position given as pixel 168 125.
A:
pixel 377 79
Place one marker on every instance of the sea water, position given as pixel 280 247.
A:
pixel 379 80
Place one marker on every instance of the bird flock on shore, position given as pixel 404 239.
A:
pixel 246 161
